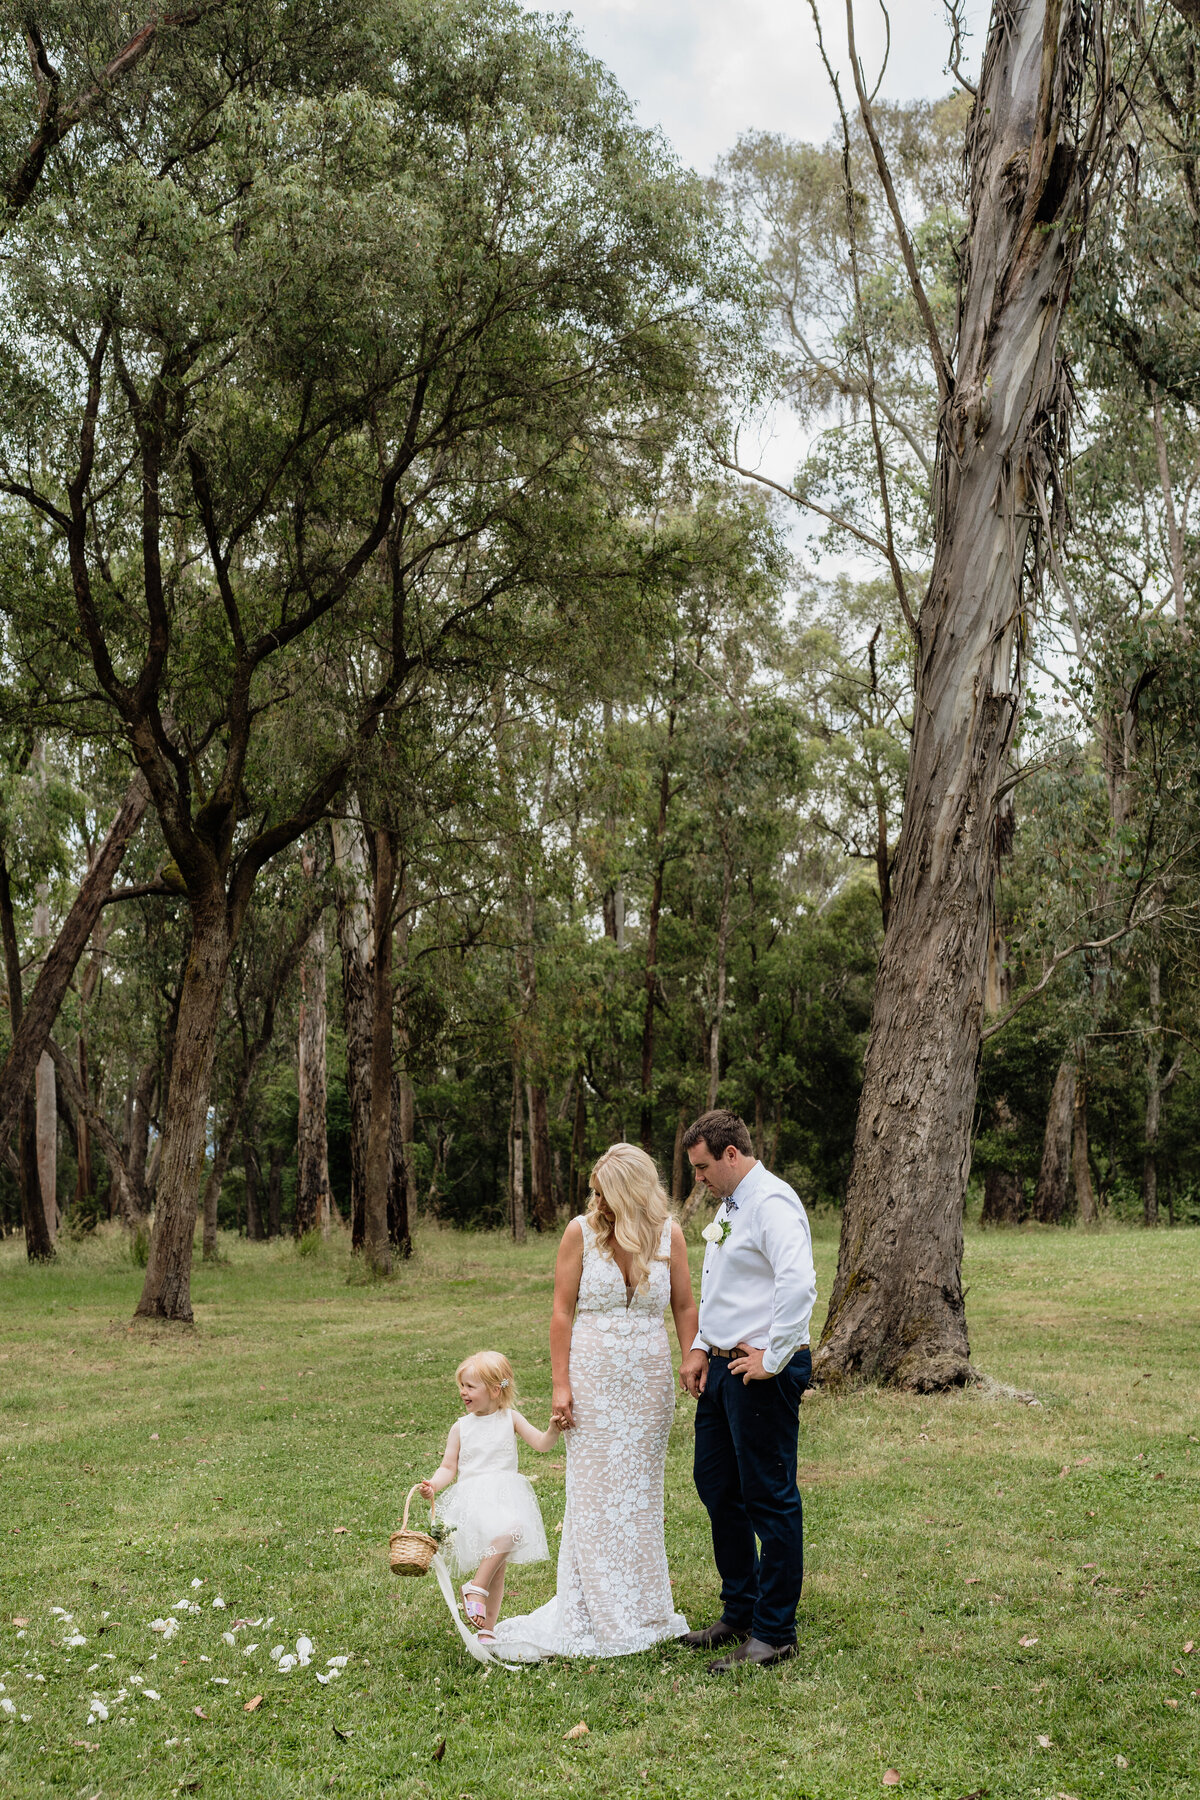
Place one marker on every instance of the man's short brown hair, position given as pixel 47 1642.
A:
pixel 719 1130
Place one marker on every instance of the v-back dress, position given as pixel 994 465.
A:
pixel 614 1590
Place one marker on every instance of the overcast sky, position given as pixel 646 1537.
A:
pixel 706 70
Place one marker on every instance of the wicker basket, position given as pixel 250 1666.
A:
pixel 411 1552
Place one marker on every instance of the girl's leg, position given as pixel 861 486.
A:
pixel 495 1600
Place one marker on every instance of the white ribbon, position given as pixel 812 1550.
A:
pixel 514 1653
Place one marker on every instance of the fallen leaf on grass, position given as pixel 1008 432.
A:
pixel 1122 1762
pixel 21 1624
pixel 975 1794
pixel 82 1744
pixel 439 1750
pixel 340 1530
pixel 1172 1703
pixel 1027 1643
pixel 1044 1741
pixel 891 1778
pixel 1187 1648
pixel 972 1579
pixel 253 1705
pixel 199 1712
pixel 344 1735
pixel 577 1731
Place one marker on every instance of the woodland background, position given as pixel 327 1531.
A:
pixel 369 478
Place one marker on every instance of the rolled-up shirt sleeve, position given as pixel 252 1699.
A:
pixel 787 1245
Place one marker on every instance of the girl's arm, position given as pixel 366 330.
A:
pixel 537 1440
pixel 449 1469
pixel 568 1271
pixel 694 1369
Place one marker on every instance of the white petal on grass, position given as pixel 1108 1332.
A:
pixel 219 1680
pixel 151 1694
pixel 74 1641
pixel 137 1681
pixel 227 1637
pixel 277 1652
pixel 6 1706
pixel 60 1612
pixel 218 1604
pixel 196 1581
pixel 323 1679
pixel 337 1662
pixel 286 1663
pixel 249 1649
pixel 99 1708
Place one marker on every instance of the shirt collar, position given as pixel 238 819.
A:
pixel 743 1191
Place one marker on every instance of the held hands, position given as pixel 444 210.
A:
pixel 749 1365
pixel 693 1373
pixel 562 1409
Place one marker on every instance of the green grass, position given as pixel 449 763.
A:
pixel 940 1533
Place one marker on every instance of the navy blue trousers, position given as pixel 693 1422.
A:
pixel 746 1477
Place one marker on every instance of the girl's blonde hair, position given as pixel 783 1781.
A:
pixel 629 1205
pixel 495 1372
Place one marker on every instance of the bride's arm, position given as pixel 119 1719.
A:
pixel 567 1273
pixel 693 1370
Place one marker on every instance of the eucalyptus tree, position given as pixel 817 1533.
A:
pixel 313 339
pixel 1037 133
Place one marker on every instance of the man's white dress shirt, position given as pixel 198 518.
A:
pixel 759 1287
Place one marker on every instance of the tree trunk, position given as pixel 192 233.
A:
pixel 544 1216
pixel 1054 1176
pixel 1154 1054
pixel 312 1144
pixel 376 1246
pixel 354 941
pixel 577 1201
pixel 516 1182
pixel 679 1162
pixel 650 1002
pixel 129 1201
pixel 210 1199
pixel 1003 1198
pixel 84 1179
pixel 139 1133
pixel 896 1311
pixel 166 1292
pixel 714 1032
pixel 39 1245
pixel 46 1113
pixel 254 1219
pixel 275 1191
pixel 402 1191
pixel 38 1016
pixel 1085 1198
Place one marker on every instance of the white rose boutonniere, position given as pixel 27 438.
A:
pixel 716 1233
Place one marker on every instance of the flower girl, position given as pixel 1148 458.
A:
pixel 493 1509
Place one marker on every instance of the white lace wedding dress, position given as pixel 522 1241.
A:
pixel 614 1592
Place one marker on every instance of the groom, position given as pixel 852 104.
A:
pixel 748 1367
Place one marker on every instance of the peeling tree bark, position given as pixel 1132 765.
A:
pixel 312 1142
pixel 1054 1176
pixel 896 1312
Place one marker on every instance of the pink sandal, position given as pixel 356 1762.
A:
pixel 474 1599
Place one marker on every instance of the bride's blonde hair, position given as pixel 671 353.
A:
pixel 629 1204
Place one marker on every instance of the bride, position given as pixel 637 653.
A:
pixel 618 1269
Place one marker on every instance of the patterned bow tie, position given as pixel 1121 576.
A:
pixel 731 1207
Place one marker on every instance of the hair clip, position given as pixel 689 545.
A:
pixel 504 1381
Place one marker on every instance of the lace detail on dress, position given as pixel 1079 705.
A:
pixel 614 1591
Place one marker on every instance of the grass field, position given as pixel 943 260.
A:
pixel 940 1535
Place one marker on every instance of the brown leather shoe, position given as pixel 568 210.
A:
pixel 755 1652
pixel 713 1636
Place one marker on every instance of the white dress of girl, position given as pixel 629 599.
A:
pixel 490 1499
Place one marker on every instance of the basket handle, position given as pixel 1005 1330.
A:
pixel 408 1502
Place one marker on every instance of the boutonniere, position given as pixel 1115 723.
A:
pixel 716 1233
